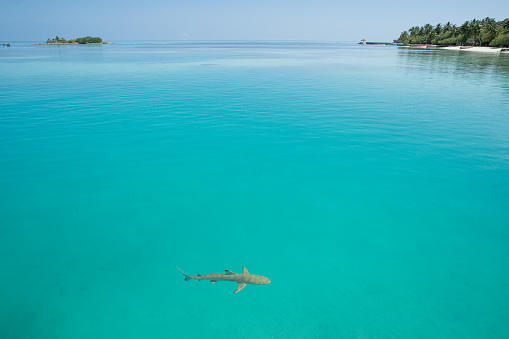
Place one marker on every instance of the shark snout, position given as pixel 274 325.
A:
pixel 266 281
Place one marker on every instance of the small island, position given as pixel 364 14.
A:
pixel 78 41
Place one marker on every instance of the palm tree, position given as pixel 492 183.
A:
pixel 505 25
pixel 489 27
pixel 464 31
pixel 403 37
pixel 475 30
pixel 438 29
pixel 427 29
pixel 465 28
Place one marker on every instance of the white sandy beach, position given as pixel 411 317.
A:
pixel 477 49
pixel 465 48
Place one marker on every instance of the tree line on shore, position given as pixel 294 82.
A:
pixel 485 32
pixel 85 40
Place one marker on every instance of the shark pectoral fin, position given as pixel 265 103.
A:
pixel 240 286
pixel 228 272
pixel 213 282
pixel 244 270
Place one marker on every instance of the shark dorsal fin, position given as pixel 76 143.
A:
pixel 244 270
pixel 228 272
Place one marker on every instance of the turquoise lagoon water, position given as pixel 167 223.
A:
pixel 370 184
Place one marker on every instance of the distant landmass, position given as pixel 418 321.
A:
pixel 86 40
pixel 485 32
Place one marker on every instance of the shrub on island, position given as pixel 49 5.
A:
pixel 501 40
pixel 89 40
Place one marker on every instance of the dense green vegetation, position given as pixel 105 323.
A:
pixel 89 40
pixel 85 40
pixel 486 32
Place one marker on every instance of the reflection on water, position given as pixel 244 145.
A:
pixel 459 63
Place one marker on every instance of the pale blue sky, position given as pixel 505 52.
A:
pixel 116 20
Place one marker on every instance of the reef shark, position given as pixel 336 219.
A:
pixel 241 279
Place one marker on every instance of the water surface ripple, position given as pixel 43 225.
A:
pixel 370 184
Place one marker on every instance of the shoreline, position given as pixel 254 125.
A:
pixel 482 49
pixel 76 43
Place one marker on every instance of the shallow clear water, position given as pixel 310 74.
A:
pixel 370 184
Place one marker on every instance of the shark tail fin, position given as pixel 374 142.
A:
pixel 188 277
